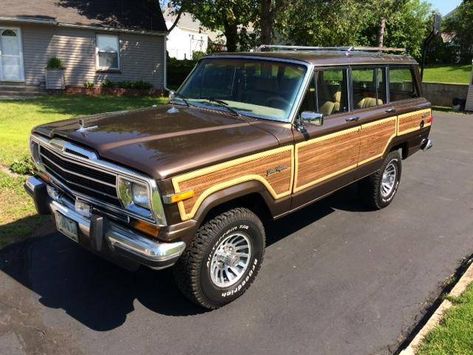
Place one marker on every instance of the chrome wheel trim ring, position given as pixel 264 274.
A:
pixel 230 260
pixel 388 181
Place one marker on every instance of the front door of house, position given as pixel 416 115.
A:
pixel 11 59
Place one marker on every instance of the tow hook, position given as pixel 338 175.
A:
pixel 426 144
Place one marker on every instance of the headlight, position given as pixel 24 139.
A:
pixel 141 198
pixel 140 195
pixel 133 193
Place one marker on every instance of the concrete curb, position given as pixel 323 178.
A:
pixel 437 316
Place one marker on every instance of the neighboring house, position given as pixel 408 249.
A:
pixel 118 40
pixel 188 36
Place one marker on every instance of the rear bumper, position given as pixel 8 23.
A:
pixel 426 144
pixel 105 237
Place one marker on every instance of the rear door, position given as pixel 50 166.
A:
pixel 413 111
pixel 325 155
pixel 376 115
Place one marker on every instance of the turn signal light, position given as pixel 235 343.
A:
pixel 146 228
pixel 180 196
pixel 430 119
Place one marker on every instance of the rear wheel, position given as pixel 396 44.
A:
pixel 378 190
pixel 223 259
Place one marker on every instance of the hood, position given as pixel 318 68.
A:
pixel 162 141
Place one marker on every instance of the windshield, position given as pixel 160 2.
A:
pixel 256 88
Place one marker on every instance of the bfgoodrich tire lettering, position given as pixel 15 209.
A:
pixel 193 271
pixel 378 190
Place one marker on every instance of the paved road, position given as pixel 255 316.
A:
pixel 337 279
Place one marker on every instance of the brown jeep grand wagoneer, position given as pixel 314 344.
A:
pixel 246 136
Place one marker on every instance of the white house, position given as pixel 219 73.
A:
pixel 187 37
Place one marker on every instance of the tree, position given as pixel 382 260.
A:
pixel 228 16
pixel 321 23
pixel 391 23
pixel 461 24
pixel 268 12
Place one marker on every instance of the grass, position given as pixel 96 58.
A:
pixel 454 74
pixel 455 334
pixel 17 214
pixel 17 118
pixel 18 217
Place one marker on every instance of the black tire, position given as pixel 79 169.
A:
pixel 192 272
pixel 371 187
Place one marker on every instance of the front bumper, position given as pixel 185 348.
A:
pixel 111 240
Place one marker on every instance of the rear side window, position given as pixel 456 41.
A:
pixel 402 84
pixel 369 87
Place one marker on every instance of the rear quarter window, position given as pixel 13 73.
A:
pixel 402 85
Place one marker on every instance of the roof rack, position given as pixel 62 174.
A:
pixel 276 47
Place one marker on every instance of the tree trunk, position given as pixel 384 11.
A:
pixel 382 30
pixel 266 18
pixel 231 34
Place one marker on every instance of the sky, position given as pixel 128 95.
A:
pixel 444 6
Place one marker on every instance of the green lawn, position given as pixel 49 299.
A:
pixel 456 74
pixel 17 215
pixel 455 334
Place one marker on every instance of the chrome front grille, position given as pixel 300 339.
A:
pixel 79 178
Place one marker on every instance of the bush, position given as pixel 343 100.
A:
pixel 89 85
pixel 108 84
pixel 198 55
pixel 23 166
pixel 54 63
pixel 178 70
pixel 138 85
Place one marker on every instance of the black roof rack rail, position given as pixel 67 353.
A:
pixel 276 47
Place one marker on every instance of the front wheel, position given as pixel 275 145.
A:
pixel 378 190
pixel 223 259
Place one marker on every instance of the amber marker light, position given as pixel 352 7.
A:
pixel 146 228
pixel 177 197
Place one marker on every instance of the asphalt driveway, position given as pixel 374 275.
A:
pixel 337 279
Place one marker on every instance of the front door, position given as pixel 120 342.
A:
pixel 11 59
pixel 332 150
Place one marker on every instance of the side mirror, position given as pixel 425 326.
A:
pixel 314 118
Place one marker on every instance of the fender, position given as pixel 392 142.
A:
pixel 235 192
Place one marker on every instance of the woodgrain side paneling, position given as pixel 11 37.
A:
pixel 375 137
pixel 411 121
pixel 322 158
pixel 209 180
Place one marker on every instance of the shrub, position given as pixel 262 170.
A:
pixel 138 85
pixel 54 63
pixel 89 85
pixel 23 166
pixel 198 55
pixel 107 84
pixel 178 70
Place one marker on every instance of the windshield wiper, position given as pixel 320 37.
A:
pixel 222 103
pixel 182 97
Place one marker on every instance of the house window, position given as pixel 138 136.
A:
pixel 108 52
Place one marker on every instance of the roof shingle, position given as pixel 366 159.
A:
pixel 121 14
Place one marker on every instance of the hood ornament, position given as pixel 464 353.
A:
pixel 83 128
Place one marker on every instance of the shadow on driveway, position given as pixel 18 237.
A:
pixel 100 295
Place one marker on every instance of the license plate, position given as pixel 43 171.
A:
pixel 67 226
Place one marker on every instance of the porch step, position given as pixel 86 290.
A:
pixel 20 90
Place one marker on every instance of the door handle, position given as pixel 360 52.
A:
pixel 352 119
pixel 390 110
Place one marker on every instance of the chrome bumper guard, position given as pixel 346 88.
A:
pixel 122 242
